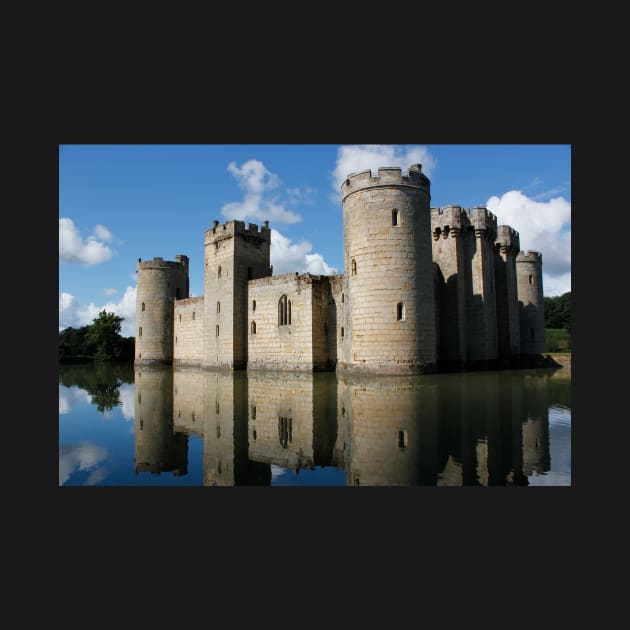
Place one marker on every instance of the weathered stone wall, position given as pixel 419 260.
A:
pixel 287 346
pixel 387 260
pixel 531 303
pixel 448 226
pixel 157 448
pixel 188 331
pixel 507 246
pixel 188 400
pixel 481 333
pixel 336 320
pixel 233 254
pixel 160 283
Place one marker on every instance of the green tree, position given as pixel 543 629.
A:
pixel 558 311
pixel 104 335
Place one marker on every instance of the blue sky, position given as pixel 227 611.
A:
pixel 118 203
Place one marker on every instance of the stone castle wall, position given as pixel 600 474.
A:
pixel 188 331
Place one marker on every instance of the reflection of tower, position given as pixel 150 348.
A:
pixel 157 448
pixel 391 425
pixel 531 304
pixel 160 282
pixel 388 272
pixel 233 255
pixel 536 456
pixel 292 420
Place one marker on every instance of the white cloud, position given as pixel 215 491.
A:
pixel 544 227
pixel 359 157
pixel 102 233
pixel 69 396
pixel 110 291
pixel 71 313
pixel 556 285
pixel 73 249
pixel 303 196
pixel 257 205
pixel 85 456
pixel 287 257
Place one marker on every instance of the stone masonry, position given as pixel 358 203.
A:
pixel 423 290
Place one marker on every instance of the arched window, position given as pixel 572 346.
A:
pixel 394 216
pixel 143 306
pixel 354 267
pixel 400 311
pixel 253 328
pixel 218 307
pixel 219 272
pixel 284 311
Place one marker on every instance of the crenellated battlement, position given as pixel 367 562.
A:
pixel 159 263
pixel 449 220
pixel 230 229
pixel 529 257
pixel 483 221
pixel 508 239
pixel 388 176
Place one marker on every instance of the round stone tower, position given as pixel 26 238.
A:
pixel 160 283
pixel 390 315
pixel 531 304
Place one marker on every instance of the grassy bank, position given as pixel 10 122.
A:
pixel 558 340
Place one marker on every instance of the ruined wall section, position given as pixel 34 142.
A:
pixel 387 261
pixel 160 283
pixel 188 331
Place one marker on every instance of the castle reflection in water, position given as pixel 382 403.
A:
pixel 479 428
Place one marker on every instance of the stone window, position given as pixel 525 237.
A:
pixel 284 311
pixel 402 439
pixel 216 406
pixel 531 279
pixel 140 331
pixel 285 431
pixel 400 311
pixel 143 306
pixel 253 305
pixel 342 332
pixel 180 317
pixel 193 316
pixel 218 307
pixel 217 330
pixel 253 328
pixel 253 412
pixel 254 433
pixel 218 431
pixel 342 298
pixel 219 272
pixel 175 339
pixel 354 267
pixel 394 216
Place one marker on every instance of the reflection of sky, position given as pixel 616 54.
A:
pixel 84 457
pixel 126 393
pixel 319 476
pixel 560 450
pixel 69 396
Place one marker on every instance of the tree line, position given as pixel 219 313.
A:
pixel 558 311
pixel 100 341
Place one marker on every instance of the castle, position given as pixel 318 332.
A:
pixel 425 289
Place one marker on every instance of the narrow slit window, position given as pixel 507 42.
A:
pixel 400 311
pixel 143 306
pixel 253 328
pixel 342 332
pixel 218 307
pixel 140 331
pixel 289 312
pixel 531 279
pixel 394 216
pixel 253 305
pixel 342 298
pixel 284 311
pixel 402 439
pixel 219 272
pixel 354 267
pixel 217 330
pixel 193 316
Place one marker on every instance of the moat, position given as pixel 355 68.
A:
pixel 150 426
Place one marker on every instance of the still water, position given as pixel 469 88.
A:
pixel 121 425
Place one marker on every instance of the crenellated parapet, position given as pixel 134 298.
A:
pixel 222 231
pixel 484 222
pixel 448 221
pixel 180 261
pixel 508 240
pixel 388 177
pixel 529 257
